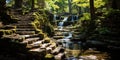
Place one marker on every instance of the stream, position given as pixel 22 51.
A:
pixel 66 41
pixel 68 32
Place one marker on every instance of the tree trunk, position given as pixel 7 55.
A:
pixel 92 21
pixel 32 4
pixel 70 8
pixel 18 3
pixel 92 11
pixel 2 7
pixel 116 4
pixel 3 13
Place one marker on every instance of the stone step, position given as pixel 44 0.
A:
pixel 4 31
pixel 58 34
pixel 112 42
pixel 13 37
pixel 25 26
pixel 25 29
pixel 59 56
pixel 8 27
pixel 43 46
pixel 76 39
pixel 57 50
pixel 63 30
pixel 77 36
pixel 36 44
pixel 30 40
pixel 66 23
pixel 111 47
pixel 24 21
pixel 37 51
pixel 76 30
pixel 32 36
pixel 69 27
pixel 58 37
pixel 28 18
pixel 76 33
pixel 95 43
pixel 25 32
pixel 116 38
pixel 52 47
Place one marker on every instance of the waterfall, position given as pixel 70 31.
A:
pixel 76 17
pixel 72 19
pixel 66 41
pixel 60 24
pixel 54 18
pixel 69 36
pixel 65 19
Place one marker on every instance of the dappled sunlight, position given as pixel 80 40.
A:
pixel 59 29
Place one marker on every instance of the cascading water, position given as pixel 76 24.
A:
pixel 67 39
pixel 72 18
pixel 76 17
pixel 54 18
pixel 69 36
pixel 65 19
pixel 60 24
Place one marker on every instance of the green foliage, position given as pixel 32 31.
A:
pixel 99 3
pixel 86 16
pixel 4 30
pixel 10 4
pixel 7 32
pixel 41 23
pixel 102 30
pixel 60 6
pixel 50 5
pixel 111 12
pixel 49 56
pixel 81 3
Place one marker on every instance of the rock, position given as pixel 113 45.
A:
pixel 43 46
pixel 89 57
pixel 56 50
pixel 60 56
pixel 36 50
pixel 49 56
pixel 35 44
pixel 58 37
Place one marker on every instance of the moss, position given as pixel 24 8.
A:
pixel 49 56
pixel 42 24
pixel 7 32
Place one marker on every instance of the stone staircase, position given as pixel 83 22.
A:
pixel 74 44
pixel 112 23
pixel 27 44
pixel 32 45
pixel 24 26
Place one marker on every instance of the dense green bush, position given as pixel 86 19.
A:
pixel 42 24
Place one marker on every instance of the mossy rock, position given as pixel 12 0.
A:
pixel 49 56
pixel 47 40
pixel 7 32
pixel 42 23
